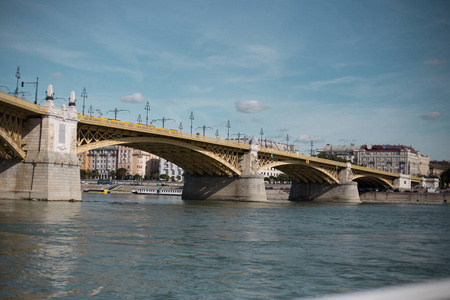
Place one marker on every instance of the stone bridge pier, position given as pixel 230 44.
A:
pixel 51 170
pixel 249 186
pixel 345 191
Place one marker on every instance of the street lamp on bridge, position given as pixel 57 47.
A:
pixel 191 117
pixel 115 111
pixel 17 85
pixel 147 108
pixel 84 95
pixel 228 127
pixel 180 127
pixel 163 121
pixel 239 136
pixel 36 83
pixel 91 111
pixel 204 128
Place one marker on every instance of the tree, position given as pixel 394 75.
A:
pixel 155 176
pixel 121 173
pixel 137 176
pixel 445 178
pixel 164 176
pixel 83 174
pixel 112 174
pixel 284 177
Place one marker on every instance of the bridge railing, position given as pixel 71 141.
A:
pixel 158 130
pixel 24 104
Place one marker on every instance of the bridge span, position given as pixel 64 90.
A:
pixel 39 147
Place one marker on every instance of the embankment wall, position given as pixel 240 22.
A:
pixel 405 198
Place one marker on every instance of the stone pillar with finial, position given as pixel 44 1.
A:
pixel 50 170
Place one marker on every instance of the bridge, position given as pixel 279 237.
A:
pixel 40 144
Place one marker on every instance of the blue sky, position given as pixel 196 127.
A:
pixel 335 72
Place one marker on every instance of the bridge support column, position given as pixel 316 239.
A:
pixel 318 192
pixel 403 182
pixel 244 188
pixel 51 170
pixel 249 186
pixel 344 192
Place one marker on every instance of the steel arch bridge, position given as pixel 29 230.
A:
pixel 197 155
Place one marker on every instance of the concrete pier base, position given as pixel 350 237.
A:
pixel 41 177
pixel 245 188
pixel 344 193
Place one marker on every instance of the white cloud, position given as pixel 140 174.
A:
pixel 434 62
pixel 315 85
pixel 249 106
pixel 431 116
pixel 135 98
pixel 304 138
pixel 198 90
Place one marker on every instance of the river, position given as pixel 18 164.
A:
pixel 134 246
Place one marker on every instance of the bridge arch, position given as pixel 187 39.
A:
pixel 368 181
pixel 190 157
pixel 304 172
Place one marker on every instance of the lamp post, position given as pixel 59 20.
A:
pixel 163 121
pixel 261 133
pixel 239 136
pixel 217 133
pixel 36 84
pixel 228 126
pixel 180 127
pixel 147 108
pixel 84 95
pixel 115 111
pixel 191 117
pixel 139 119
pixel 91 111
pixel 287 142
pixel 17 85
pixel 204 127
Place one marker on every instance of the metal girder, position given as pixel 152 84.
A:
pixel 11 136
pixel 375 181
pixel 209 160
pixel 304 171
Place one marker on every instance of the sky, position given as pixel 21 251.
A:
pixel 331 72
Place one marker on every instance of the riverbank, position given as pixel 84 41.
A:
pixel 280 192
pixel 405 198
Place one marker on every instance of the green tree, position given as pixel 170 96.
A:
pixel 137 176
pixel 155 176
pixel 284 177
pixel 445 178
pixel 121 173
pixel 112 174
pixel 164 176
pixel 83 174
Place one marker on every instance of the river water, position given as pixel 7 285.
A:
pixel 134 246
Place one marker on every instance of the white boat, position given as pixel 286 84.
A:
pixel 158 192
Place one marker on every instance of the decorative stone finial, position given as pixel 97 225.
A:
pixel 49 92
pixel 254 141
pixel 72 99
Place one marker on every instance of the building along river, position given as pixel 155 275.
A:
pixel 136 246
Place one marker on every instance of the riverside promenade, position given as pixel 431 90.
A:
pixel 280 192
